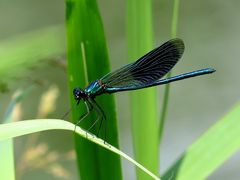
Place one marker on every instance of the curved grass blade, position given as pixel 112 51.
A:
pixel 24 127
pixel 7 169
pixel 210 151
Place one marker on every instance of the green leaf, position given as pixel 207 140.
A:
pixel 24 127
pixel 20 52
pixel 7 169
pixel 143 102
pixel 7 160
pixel 210 151
pixel 88 61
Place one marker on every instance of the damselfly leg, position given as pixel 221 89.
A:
pixel 101 117
pixel 83 116
pixel 102 114
pixel 91 104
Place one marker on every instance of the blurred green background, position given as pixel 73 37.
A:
pixel 210 31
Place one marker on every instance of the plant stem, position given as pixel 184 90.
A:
pixel 167 86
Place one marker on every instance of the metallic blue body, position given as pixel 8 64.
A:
pixel 163 81
pixel 94 89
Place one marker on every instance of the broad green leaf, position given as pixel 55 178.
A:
pixel 88 61
pixel 210 151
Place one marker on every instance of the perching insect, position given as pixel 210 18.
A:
pixel 143 73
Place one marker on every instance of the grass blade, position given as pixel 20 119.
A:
pixel 87 61
pixel 7 160
pixel 210 151
pixel 24 127
pixel 7 169
pixel 143 102
pixel 167 86
pixel 24 50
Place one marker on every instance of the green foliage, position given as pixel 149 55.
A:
pixel 167 86
pixel 143 102
pixel 25 50
pixel 6 146
pixel 87 61
pixel 7 160
pixel 210 151
pixel 11 130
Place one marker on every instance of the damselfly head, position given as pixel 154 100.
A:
pixel 79 93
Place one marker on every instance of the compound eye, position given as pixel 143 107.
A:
pixel 78 93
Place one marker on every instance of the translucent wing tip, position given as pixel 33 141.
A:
pixel 178 44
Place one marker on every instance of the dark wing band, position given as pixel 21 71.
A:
pixel 149 68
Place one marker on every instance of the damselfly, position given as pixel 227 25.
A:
pixel 143 73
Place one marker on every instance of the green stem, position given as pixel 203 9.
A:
pixel 167 87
